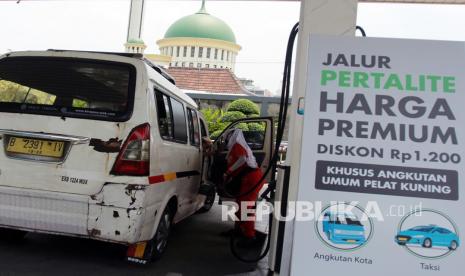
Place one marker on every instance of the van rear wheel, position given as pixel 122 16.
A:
pixel 209 201
pixel 160 240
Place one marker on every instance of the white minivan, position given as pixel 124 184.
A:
pixel 102 146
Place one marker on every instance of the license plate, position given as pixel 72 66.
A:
pixel 402 239
pixel 351 241
pixel 35 147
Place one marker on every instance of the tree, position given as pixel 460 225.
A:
pixel 256 126
pixel 247 107
pixel 215 134
pixel 232 116
pixel 213 118
pixel 239 109
pixel 11 92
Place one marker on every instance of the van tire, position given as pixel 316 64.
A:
pixel 209 201
pixel 160 240
pixel 11 234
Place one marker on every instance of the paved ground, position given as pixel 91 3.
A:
pixel 195 249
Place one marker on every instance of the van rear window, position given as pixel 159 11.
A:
pixel 67 87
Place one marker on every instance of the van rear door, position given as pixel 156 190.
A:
pixel 63 119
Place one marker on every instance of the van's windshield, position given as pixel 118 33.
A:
pixel 348 219
pixel 67 87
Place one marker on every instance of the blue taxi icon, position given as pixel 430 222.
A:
pixel 428 236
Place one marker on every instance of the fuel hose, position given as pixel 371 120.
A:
pixel 282 116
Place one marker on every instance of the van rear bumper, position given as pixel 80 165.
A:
pixel 43 211
pixel 69 214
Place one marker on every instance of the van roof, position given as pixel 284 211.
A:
pixel 79 54
pixel 131 55
pixel 157 68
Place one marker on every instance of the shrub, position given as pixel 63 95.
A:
pixel 239 109
pixel 232 116
pixel 215 134
pixel 245 106
pixel 256 127
pixel 213 118
pixel 242 126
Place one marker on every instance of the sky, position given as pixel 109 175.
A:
pixel 261 28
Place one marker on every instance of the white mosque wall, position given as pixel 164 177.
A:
pixel 200 53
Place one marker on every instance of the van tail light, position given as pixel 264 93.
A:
pixel 134 157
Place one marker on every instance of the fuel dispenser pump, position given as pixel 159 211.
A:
pixel 269 193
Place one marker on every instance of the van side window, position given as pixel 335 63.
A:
pixel 179 119
pixel 193 127
pixel 203 129
pixel 165 122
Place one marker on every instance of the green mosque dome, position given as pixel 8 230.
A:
pixel 201 25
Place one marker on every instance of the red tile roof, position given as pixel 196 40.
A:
pixel 208 80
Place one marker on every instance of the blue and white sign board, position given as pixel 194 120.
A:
pixel 382 158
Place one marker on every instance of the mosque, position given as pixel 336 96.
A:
pixel 200 51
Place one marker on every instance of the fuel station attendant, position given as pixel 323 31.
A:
pixel 243 170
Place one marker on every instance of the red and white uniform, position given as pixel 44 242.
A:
pixel 239 157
